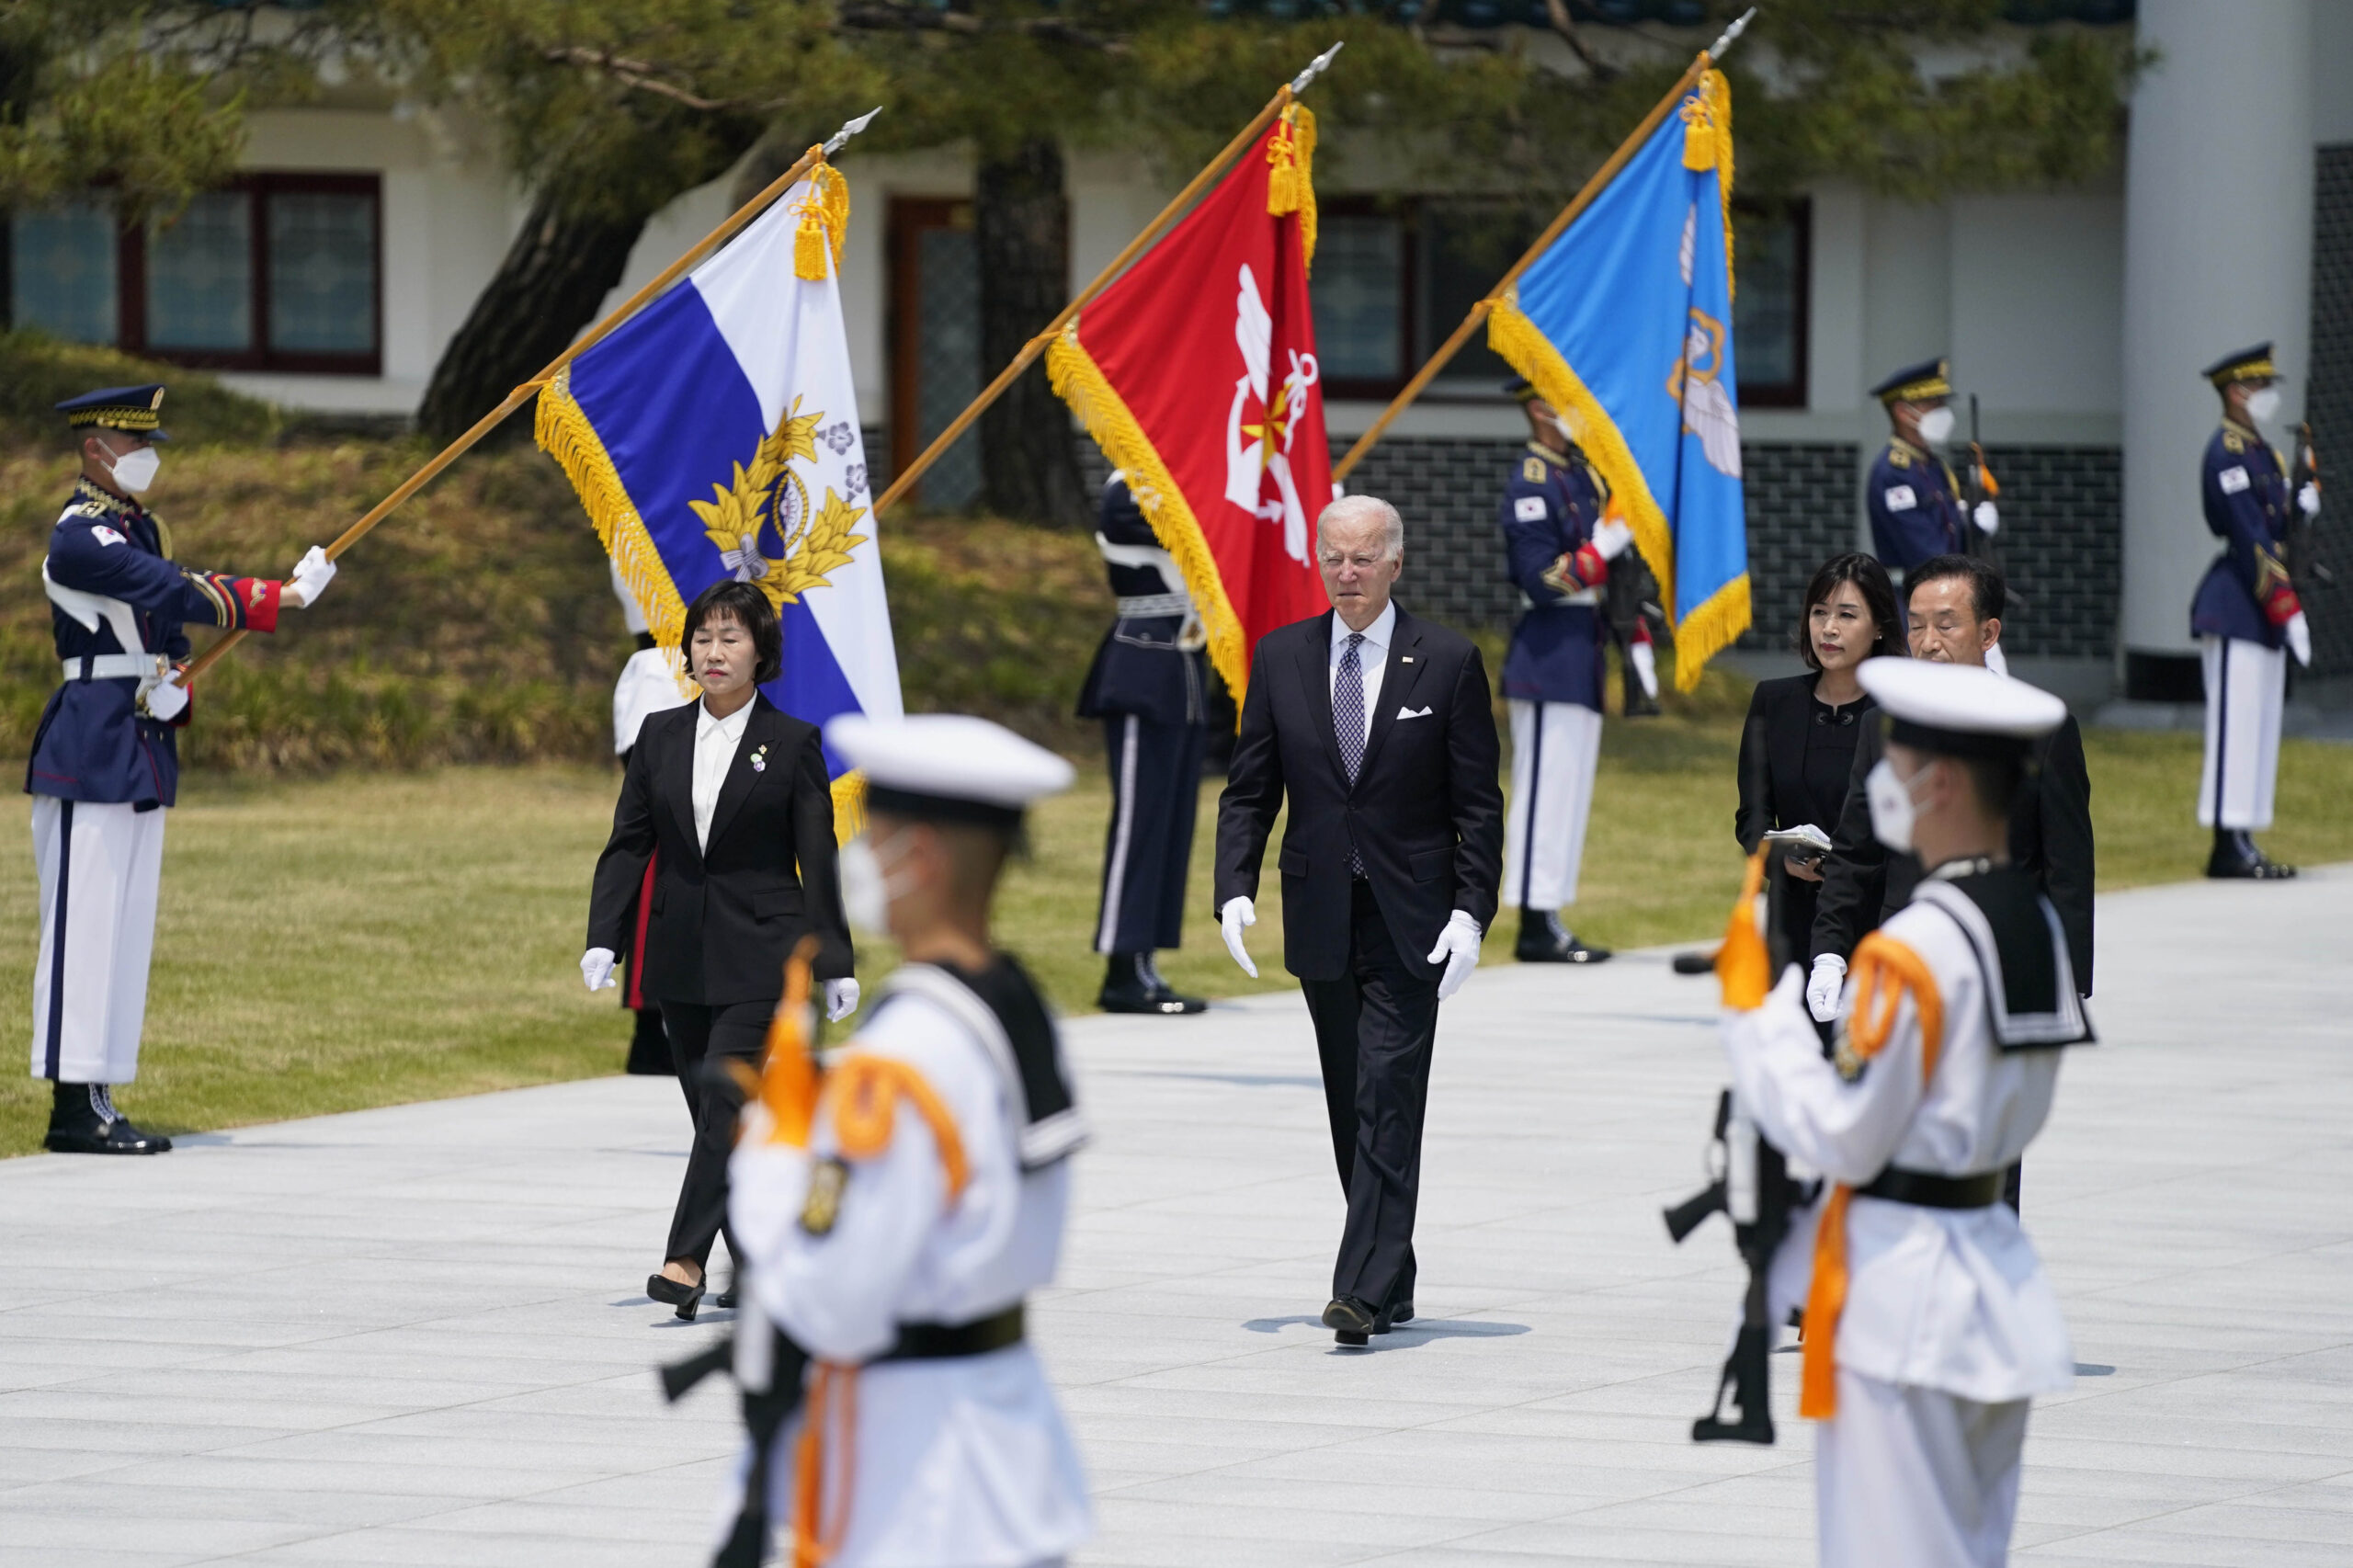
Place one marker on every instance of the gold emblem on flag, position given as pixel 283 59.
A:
pixel 768 502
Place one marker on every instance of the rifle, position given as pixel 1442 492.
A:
pixel 2297 547
pixel 1981 485
pixel 1751 1187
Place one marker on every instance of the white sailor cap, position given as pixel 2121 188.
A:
pixel 1958 710
pixel 948 766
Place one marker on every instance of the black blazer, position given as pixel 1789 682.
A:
pixel 2051 837
pixel 1774 788
pixel 1426 808
pixel 724 922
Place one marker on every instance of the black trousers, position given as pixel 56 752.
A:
pixel 699 1033
pixel 1148 846
pixel 1374 1029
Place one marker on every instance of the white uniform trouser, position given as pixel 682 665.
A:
pixel 1916 1477
pixel 2246 683
pixel 1554 748
pixel 99 867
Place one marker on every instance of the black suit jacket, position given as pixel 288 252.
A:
pixel 2051 837
pixel 724 921
pixel 1774 789
pixel 1426 810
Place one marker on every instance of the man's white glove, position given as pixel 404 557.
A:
pixel 1988 518
pixel 1458 948
pixel 167 698
pixel 841 1000
pixel 1645 666
pixel 312 575
pixel 1237 914
pixel 2299 639
pixel 597 967
pixel 1822 989
pixel 2308 498
pixel 1611 538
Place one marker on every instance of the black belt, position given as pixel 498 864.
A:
pixel 946 1341
pixel 1926 1190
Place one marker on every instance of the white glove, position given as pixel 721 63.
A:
pixel 166 697
pixel 841 1000
pixel 1457 945
pixel 1237 914
pixel 597 967
pixel 312 575
pixel 1611 538
pixel 1646 659
pixel 1988 518
pixel 1822 990
pixel 2309 499
pixel 2298 630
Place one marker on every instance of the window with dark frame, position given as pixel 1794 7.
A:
pixel 1394 275
pixel 277 272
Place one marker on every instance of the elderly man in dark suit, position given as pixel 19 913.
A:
pixel 1379 728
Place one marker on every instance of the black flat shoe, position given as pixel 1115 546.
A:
pixel 1352 1322
pixel 687 1299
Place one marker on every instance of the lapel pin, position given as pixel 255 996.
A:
pixel 760 760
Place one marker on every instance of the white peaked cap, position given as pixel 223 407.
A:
pixel 930 764
pixel 1958 708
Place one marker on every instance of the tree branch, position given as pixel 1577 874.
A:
pixel 889 16
pixel 1565 25
pixel 638 75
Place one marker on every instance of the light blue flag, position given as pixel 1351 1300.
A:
pixel 1624 324
pixel 715 434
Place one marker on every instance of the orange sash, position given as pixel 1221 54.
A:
pixel 1884 968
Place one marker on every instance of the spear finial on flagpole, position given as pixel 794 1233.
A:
pixel 1739 25
pixel 1323 62
pixel 850 128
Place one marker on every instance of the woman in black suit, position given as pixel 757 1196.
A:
pixel 732 793
pixel 1807 726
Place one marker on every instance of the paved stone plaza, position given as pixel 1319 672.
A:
pixel 415 1336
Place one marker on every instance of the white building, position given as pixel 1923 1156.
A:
pixel 333 276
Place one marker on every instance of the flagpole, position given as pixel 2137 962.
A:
pixel 1152 231
pixel 594 336
pixel 1567 215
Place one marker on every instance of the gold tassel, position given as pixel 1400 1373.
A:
pixel 825 223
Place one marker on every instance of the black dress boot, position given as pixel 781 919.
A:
pixel 1171 1001
pixel 2236 856
pixel 1131 986
pixel 82 1120
pixel 1543 939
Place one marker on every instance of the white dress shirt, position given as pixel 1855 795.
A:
pixel 716 741
pixel 1372 653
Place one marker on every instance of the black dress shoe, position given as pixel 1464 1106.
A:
pixel 1352 1322
pixel 2236 857
pixel 82 1120
pixel 1401 1312
pixel 687 1299
pixel 1132 985
pixel 726 1298
pixel 1694 964
pixel 1543 939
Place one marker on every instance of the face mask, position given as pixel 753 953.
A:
pixel 2263 404
pixel 1892 807
pixel 1935 426
pixel 868 885
pixel 135 471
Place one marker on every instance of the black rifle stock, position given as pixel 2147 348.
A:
pixel 2298 550
pixel 1980 487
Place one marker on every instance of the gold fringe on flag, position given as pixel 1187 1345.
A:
pixel 1079 382
pixel 562 428
pixel 824 221
pixel 1290 182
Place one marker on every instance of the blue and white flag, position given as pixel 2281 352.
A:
pixel 715 434
pixel 1624 324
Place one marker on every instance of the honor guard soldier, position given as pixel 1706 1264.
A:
pixel 1929 1324
pixel 1560 550
pixel 896 1212
pixel 1913 497
pixel 1148 684
pixel 2246 614
pixel 105 758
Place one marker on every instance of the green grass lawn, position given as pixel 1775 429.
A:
pixel 374 938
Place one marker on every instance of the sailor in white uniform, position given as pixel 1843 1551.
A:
pixel 1929 1323
pixel 897 1206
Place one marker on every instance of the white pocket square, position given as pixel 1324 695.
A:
pixel 1413 713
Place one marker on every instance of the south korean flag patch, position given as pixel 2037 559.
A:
pixel 2232 480
pixel 1530 509
pixel 106 536
pixel 1900 498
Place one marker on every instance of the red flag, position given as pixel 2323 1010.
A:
pixel 1196 373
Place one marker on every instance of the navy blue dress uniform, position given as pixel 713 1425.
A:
pixel 1552 675
pixel 2246 616
pixel 105 761
pixel 1913 497
pixel 1149 687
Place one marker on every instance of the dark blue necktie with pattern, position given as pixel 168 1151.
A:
pixel 1347 721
